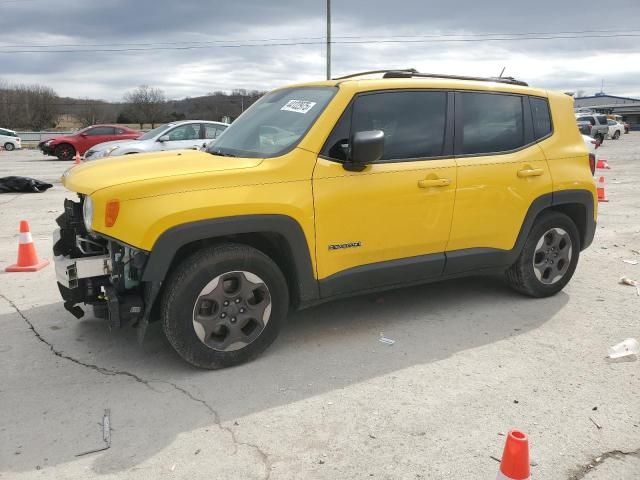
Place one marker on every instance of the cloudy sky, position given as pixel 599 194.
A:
pixel 192 47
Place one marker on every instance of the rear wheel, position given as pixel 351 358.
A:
pixel 549 257
pixel 9 146
pixel 224 305
pixel 600 138
pixel 65 152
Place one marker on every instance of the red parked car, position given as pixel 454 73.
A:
pixel 65 146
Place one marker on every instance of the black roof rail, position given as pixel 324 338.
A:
pixel 371 72
pixel 412 72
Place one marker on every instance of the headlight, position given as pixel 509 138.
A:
pixel 87 212
pixel 110 150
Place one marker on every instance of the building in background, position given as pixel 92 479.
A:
pixel 628 107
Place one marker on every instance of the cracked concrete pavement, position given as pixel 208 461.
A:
pixel 471 360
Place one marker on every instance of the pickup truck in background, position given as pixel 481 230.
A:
pixel 599 125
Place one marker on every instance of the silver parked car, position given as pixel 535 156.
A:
pixel 189 134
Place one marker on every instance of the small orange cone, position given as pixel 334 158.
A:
pixel 603 165
pixel 77 160
pixel 515 458
pixel 601 195
pixel 28 260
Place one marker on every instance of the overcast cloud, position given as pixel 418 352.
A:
pixel 564 64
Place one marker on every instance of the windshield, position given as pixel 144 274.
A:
pixel 274 124
pixel 156 131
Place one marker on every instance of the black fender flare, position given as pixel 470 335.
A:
pixel 169 242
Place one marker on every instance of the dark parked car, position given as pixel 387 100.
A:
pixel 65 147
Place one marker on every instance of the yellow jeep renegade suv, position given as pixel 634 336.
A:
pixel 329 189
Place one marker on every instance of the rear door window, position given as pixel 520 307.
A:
pixel 541 117
pixel 212 131
pixel 413 123
pixel 602 119
pixel 491 123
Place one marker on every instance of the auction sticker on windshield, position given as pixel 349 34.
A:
pixel 298 106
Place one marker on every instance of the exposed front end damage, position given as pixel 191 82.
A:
pixel 97 271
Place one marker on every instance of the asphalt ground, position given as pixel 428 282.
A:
pixel 471 360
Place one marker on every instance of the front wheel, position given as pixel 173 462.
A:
pixel 224 305
pixel 616 135
pixel 549 257
pixel 65 152
pixel 600 137
pixel 9 146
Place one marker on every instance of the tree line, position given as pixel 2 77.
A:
pixel 38 107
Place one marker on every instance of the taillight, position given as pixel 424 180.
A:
pixel 592 163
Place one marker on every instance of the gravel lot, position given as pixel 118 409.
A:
pixel 329 401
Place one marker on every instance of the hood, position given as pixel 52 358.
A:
pixel 64 138
pixel 104 145
pixel 90 177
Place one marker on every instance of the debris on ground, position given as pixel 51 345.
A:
pixel 22 185
pixel 495 458
pixel 630 282
pixel 631 262
pixel 628 346
pixel 598 426
pixel 385 340
pixel 106 435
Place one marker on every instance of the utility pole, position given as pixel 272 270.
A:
pixel 328 39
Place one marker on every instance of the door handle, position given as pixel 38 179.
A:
pixel 530 172
pixel 434 182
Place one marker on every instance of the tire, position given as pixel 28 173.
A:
pixel 200 287
pixel 546 279
pixel 601 137
pixel 616 135
pixel 9 147
pixel 65 151
pixel 100 310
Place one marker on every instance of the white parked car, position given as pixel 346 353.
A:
pixel 590 143
pixel 615 129
pixel 9 140
pixel 187 134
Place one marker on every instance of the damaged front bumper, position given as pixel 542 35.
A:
pixel 100 272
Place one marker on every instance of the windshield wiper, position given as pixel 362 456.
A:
pixel 223 154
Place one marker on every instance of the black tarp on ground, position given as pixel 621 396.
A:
pixel 22 185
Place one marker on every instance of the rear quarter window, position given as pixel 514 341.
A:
pixel 541 117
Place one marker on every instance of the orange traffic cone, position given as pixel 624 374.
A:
pixel 601 195
pixel 602 164
pixel 77 160
pixel 28 260
pixel 515 458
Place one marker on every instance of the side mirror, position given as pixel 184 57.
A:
pixel 366 147
pixel 164 138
